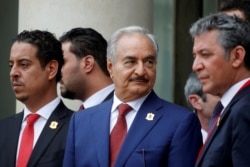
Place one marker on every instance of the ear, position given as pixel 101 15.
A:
pixel 52 69
pixel 109 66
pixel 194 100
pixel 237 56
pixel 88 63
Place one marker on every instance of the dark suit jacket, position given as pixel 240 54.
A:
pixel 49 149
pixel 229 144
pixel 172 138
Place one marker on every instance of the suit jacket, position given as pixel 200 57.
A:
pixel 172 138
pixel 49 149
pixel 228 145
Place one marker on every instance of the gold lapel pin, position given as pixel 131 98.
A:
pixel 53 125
pixel 150 117
pixel 218 121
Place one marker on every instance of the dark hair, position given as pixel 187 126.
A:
pixel 241 5
pixel 48 47
pixel 87 41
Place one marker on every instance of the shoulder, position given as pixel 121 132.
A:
pixel 12 117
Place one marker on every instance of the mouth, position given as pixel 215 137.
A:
pixel 139 80
pixel 16 86
pixel 203 79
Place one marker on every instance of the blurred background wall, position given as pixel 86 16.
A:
pixel 168 20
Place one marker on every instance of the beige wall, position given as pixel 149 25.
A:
pixel 105 16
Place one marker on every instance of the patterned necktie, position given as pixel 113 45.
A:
pixel 119 132
pixel 26 144
pixel 216 113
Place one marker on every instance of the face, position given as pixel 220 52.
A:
pixel 208 105
pixel 134 70
pixel 29 80
pixel 211 65
pixel 71 82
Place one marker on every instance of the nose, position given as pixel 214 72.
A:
pixel 140 69
pixel 197 65
pixel 14 72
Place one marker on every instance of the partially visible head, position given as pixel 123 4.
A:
pixel 35 61
pixel 221 50
pixel 239 8
pixel 87 41
pixel 193 87
pixel 199 101
pixel 132 56
pixel 81 45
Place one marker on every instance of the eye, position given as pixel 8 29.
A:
pixel 10 65
pixel 149 62
pixel 24 64
pixel 129 62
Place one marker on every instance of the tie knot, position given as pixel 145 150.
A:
pixel 81 107
pixel 124 109
pixel 32 118
pixel 217 109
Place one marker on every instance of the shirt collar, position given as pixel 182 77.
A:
pixel 232 91
pixel 135 104
pixel 45 111
pixel 98 97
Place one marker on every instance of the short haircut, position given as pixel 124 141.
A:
pixel 87 41
pixel 128 31
pixel 232 32
pixel 48 47
pixel 193 87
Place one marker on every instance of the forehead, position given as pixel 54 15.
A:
pixel 206 40
pixel 66 46
pixel 22 50
pixel 134 42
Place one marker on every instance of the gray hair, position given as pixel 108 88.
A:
pixel 111 50
pixel 193 87
pixel 232 32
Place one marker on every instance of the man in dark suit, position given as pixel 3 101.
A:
pixel 159 133
pixel 84 74
pixel 35 63
pixel 221 60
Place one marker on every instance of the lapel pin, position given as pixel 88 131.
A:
pixel 218 121
pixel 150 117
pixel 53 125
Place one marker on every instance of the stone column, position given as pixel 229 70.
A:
pixel 106 16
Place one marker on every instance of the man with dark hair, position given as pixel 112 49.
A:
pixel 84 73
pixel 37 135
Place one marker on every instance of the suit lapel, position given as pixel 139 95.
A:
pixel 136 133
pixel 224 115
pixel 48 133
pixel 101 131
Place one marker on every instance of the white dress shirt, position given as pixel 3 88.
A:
pixel 44 113
pixel 135 104
pixel 231 92
pixel 98 97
